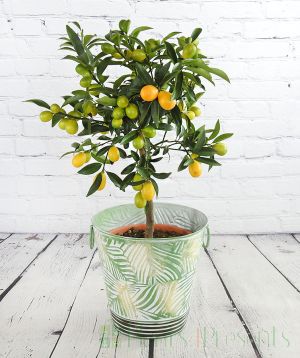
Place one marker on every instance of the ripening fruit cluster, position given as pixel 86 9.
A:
pixel 150 93
pixel 145 191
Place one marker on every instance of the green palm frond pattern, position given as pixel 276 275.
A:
pixel 148 280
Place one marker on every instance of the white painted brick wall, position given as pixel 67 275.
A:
pixel 256 42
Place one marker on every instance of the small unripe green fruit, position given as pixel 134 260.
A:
pixel 75 114
pixel 89 108
pixel 117 56
pixel 138 142
pixel 55 108
pixel 46 116
pixel 189 51
pixel 71 126
pixel 85 81
pixel 196 110
pixel 116 123
pixel 122 101
pixel 149 132
pixel 132 111
pixel 138 55
pixel 220 148
pixel 81 70
pixel 62 123
pixel 191 115
pixel 137 177
pixel 118 113
pixel 139 201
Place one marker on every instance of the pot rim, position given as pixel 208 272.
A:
pixel 153 239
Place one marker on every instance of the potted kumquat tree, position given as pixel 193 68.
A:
pixel 149 252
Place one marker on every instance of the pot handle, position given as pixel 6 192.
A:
pixel 92 237
pixel 206 244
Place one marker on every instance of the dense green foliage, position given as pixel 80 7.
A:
pixel 108 113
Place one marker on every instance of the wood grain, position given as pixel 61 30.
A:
pixel 269 305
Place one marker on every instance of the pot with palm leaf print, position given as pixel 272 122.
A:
pixel 136 121
pixel 149 281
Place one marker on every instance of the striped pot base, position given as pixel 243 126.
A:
pixel 140 329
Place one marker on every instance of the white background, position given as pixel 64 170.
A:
pixel 256 42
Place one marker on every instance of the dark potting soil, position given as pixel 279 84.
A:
pixel 132 232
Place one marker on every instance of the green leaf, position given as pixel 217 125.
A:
pixel 155 113
pixel 223 137
pixel 38 102
pixel 161 175
pixel 127 180
pixel 155 186
pixel 94 187
pixel 161 71
pixel 129 137
pixel 176 115
pixel 200 140
pixel 117 181
pixel 171 52
pixel 203 73
pixel 128 169
pixel 56 118
pixel 178 86
pixel 216 130
pixel 136 31
pixel 196 33
pixel 103 150
pixel 102 66
pixel 124 25
pixel 143 172
pixel 186 161
pixel 165 127
pixel 170 35
pixel 135 155
pixel 77 44
pixel 143 74
pixel 144 110
pixel 219 73
pixel 208 161
pixel 90 169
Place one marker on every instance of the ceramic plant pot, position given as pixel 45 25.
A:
pixel 149 281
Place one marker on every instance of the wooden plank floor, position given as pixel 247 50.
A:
pixel 246 301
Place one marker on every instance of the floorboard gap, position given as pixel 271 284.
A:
pixel 11 286
pixel 151 348
pixel 8 236
pixel 277 269
pixel 252 341
pixel 294 236
pixel 71 307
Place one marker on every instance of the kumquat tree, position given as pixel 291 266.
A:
pixel 144 115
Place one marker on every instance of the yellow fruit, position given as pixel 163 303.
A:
pixel 117 56
pixel 194 156
pixel 89 108
pixel 137 177
pixel 103 181
pixel 149 93
pixel 190 115
pixel 113 154
pixel 148 191
pixel 165 101
pixel 55 108
pixel 138 55
pixel 195 169
pixel 139 201
pixel 78 160
pixel 46 116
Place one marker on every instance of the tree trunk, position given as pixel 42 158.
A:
pixel 149 210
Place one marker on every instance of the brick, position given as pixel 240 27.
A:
pixel 289 147
pixel 30 147
pixel 232 9
pixel 104 7
pixel 36 7
pixel 4 26
pixel 7 146
pixel 280 9
pixel 168 10
pixel 259 149
pixel 27 26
